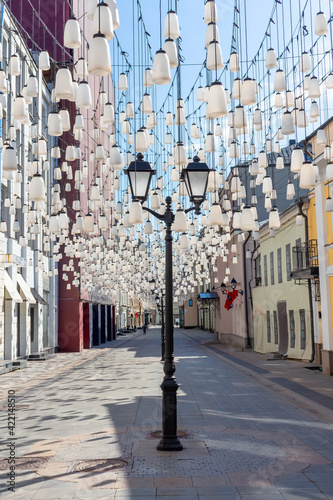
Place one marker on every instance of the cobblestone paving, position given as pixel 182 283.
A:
pixel 244 440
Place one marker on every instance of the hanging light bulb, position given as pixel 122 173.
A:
pixel 99 60
pixel 44 61
pixel 274 219
pixel 161 68
pixel 102 21
pixel 210 12
pixel 54 124
pixel 170 48
pixel 171 25
pixel 63 84
pixel 212 33
pixel 321 28
pixel 14 65
pixel 32 86
pixel 248 93
pixel 83 96
pixel 271 59
pixel 279 81
pixel 308 176
pixel 37 188
pixel 72 35
pixel 217 105
pixel 214 59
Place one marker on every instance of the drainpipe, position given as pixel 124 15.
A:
pixel 300 208
pixel 248 343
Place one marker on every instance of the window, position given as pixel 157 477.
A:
pixel 276 331
pixel 288 262
pixel 271 258
pixel 279 262
pixel 265 270
pixel 257 271
pixel 292 328
pixel 303 328
pixel 268 319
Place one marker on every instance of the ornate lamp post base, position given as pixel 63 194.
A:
pixel 169 441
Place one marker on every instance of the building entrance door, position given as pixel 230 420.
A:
pixel 283 327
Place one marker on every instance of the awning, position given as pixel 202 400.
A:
pixel 11 289
pixel 209 296
pixel 25 289
pixel 38 297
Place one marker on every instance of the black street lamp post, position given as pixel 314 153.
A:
pixel 196 179
pixel 161 311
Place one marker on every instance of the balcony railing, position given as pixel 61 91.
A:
pixel 305 260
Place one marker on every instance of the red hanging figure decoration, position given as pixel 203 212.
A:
pixel 231 297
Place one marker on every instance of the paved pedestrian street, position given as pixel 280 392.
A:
pixel 87 426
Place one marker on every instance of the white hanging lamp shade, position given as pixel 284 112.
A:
pixel 214 59
pixel 301 118
pixel 180 223
pixel 210 146
pixel 95 194
pixel 240 118
pixel 234 66
pixel 129 110
pixel 279 81
pixel 274 219
pixel 278 101
pixel 248 93
pixel 257 117
pixel 161 74
pixel 314 112
pixel 234 150
pixel 279 163
pixel 82 68
pixel 321 28
pixel 44 61
pixel 307 178
pixel 99 59
pixel 83 96
pixel 171 25
pixel 141 144
pixel 290 190
pixel 180 154
pixel 290 99
pixel 37 188
pixel 171 50
pixel 146 105
pixel 115 156
pixel 99 153
pixel 122 82
pixel 168 119
pixel 215 215
pixel 79 122
pixel 321 138
pixel 314 88
pixel 65 119
pixel 212 33
pixel 247 222
pixel 217 104
pixel 180 118
pixel 32 86
pixel 329 82
pixel 54 124
pixel 184 242
pixel 288 127
pixel 108 113
pixel 305 63
pixel 102 21
pixel 297 160
pixel 135 213
pixel 63 84
pixel 267 186
pixel 72 35
pixel 54 224
pixel 148 78
pixel 210 12
pixel 237 88
pixel 9 160
pixel 271 59
pixel 200 94
pixel 114 12
pixel 3 82
pixel 14 65
pixel 42 148
pixel 89 223
pixel 20 108
pixel 329 205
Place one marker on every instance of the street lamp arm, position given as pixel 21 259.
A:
pixel 155 214
pixel 196 208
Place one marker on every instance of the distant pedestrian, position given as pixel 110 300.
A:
pixel 144 329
